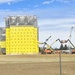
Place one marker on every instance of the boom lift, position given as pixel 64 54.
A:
pixel 48 49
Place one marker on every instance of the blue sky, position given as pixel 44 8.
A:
pixel 55 17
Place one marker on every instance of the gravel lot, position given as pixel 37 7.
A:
pixel 37 64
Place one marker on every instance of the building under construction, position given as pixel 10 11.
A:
pixel 2 40
pixel 21 35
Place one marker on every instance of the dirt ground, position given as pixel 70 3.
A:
pixel 37 64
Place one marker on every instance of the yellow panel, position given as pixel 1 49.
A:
pixel 2 44
pixel 7 40
pixel 21 40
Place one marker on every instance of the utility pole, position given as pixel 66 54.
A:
pixel 60 63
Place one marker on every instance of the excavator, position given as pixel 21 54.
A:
pixel 48 49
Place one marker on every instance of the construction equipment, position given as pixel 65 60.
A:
pixel 64 49
pixel 71 33
pixel 48 49
pixel 62 41
pixel 73 51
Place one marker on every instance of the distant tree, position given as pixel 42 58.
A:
pixel 56 49
pixel 61 47
pixel 65 48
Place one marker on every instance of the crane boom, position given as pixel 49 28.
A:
pixel 71 32
pixel 46 41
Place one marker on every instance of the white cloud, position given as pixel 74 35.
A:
pixel 48 2
pixel 61 1
pixel 66 1
pixel 36 6
pixel 8 1
pixel 63 21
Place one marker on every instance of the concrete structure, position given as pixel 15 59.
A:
pixel 2 40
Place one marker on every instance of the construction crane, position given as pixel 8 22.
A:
pixel 71 32
pixel 73 51
pixel 48 49
pixel 46 41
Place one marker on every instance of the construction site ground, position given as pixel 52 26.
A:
pixel 47 64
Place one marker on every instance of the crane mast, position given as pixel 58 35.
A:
pixel 71 32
